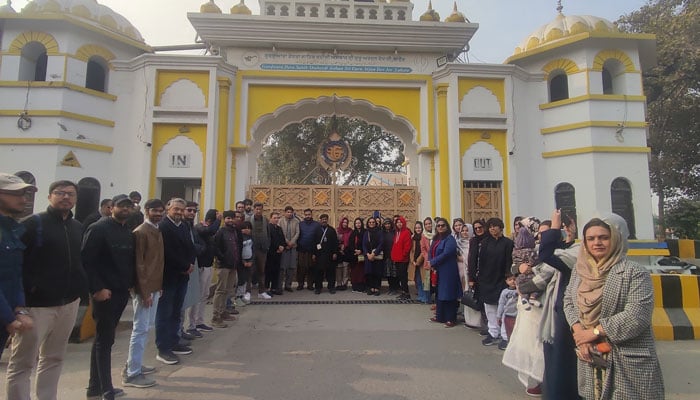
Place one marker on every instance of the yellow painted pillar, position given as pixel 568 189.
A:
pixel 221 143
pixel 443 145
pixel 232 174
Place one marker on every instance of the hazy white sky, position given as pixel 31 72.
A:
pixel 503 24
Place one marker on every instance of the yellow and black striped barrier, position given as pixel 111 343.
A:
pixel 676 307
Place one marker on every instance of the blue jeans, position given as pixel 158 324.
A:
pixel 169 314
pixel 144 319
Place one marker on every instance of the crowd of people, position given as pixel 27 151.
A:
pixel 574 319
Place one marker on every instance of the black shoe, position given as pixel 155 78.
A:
pixel 370 293
pixel 279 292
pixel 376 293
pixel 178 349
pixel 187 336
pixel 391 292
pixel 195 333
pixel 489 341
pixel 300 287
pixel 167 357
pixel 310 288
pixel 204 328
pixel 289 289
pixel 484 332
pixel 96 396
pixel 184 342
pixel 317 291
pixel 332 291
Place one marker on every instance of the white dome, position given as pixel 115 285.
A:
pixel 87 9
pixel 564 26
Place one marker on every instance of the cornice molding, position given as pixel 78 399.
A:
pixel 487 71
pixel 256 31
pixel 182 62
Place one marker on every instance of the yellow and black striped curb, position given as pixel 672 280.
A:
pixel 676 307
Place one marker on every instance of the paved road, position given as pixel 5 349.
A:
pixel 341 351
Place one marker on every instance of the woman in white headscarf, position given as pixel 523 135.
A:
pixel 608 304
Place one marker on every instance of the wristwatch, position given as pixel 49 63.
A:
pixel 596 331
pixel 22 312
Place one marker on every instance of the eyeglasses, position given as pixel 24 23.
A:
pixel 191 210
pixel 61 193
pixel 441 225
pixel 478 228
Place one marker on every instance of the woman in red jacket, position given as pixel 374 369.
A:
pixel 400 252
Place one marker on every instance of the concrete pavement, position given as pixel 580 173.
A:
pixel 339 351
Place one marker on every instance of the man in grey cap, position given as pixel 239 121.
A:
pixel 13 198
pixel 54 281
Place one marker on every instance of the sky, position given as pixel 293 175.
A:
pixel 503 24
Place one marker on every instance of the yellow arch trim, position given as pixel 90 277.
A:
pixel 495 86
pixel 565 64
pixel 86 51
pixel 31 36
pixel 168 77
pixel 164 133
pixel 619 55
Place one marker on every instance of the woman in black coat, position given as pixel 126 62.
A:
pixel 352 251
pixel 372 248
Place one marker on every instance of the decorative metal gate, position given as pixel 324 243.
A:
pixel 482 199
pixel 340 201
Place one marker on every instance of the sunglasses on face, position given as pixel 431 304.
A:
pixel 441 226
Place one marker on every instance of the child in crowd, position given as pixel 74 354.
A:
pixel 244 274
pixel 507 310
pixel 524 256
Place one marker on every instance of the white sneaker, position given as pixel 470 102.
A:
pixel 264 295
pixel 246 298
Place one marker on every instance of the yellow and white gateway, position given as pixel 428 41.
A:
pixel 560 123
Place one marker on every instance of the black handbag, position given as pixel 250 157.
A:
pixel 470 299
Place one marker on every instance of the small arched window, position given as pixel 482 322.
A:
pixel 613 76
pixel 330 12
pixel 96 76
pixel 33 62
pixel 301 12
pixel 372 14
pixel 360 14
pixel 270 10
pixel 388 15
pixel 565 200
pixel 607 82
pixel 402 15
pixel 558 87
pixel 343 12
pixel 314 12
pixel 284 11
pixel 621 201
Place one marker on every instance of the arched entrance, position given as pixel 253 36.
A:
pixel 334 200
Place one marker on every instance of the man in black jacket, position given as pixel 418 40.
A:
pixel 110 262
pixel 228 244
pixel 54 281
pixel 179 254
pixel 325 256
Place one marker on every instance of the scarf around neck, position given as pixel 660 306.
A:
pixel 593 274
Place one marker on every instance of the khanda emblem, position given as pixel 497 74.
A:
pixel 334 153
